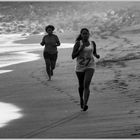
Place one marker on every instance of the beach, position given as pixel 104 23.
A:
pixel 50 109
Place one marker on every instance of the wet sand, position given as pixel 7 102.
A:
pixel 51 109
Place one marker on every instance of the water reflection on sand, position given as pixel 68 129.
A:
pixel 4 71
pixel 8 113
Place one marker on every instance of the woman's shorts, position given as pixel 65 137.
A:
pixel 79 68
pixel 52 57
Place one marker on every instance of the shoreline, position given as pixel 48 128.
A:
pixel 19 53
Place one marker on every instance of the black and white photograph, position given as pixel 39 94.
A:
pixel 69 69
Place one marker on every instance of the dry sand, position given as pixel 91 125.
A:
pixel 51 108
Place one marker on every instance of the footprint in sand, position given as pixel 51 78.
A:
pixel 76 101
pixel 45 83
pixel 123 92
pixel 131 75
pixel 131 112
pixel 72 99
pixel 137 100
pixel 116 81
pixel 57 89
pixel 134 134
pixel 123 84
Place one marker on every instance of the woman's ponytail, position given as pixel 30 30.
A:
pixel 79 37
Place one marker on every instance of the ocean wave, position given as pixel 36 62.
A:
pixel 127 57
pixel 18 57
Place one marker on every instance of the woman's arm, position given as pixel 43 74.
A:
pixel 77 49
pixel 43 41
pixel 95 52
pixel 57 41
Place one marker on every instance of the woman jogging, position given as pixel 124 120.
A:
pixel 51 41
pixel 84 50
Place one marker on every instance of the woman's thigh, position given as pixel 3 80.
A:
pixel 53 59
pixel 88 77
pixel 80 76
pixel 47 58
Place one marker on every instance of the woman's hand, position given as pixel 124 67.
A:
pixel 42 44
pixel 81 47
pixel 97 56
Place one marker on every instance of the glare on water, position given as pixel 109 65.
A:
pixel 8 112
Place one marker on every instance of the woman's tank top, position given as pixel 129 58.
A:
pixel 85 59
